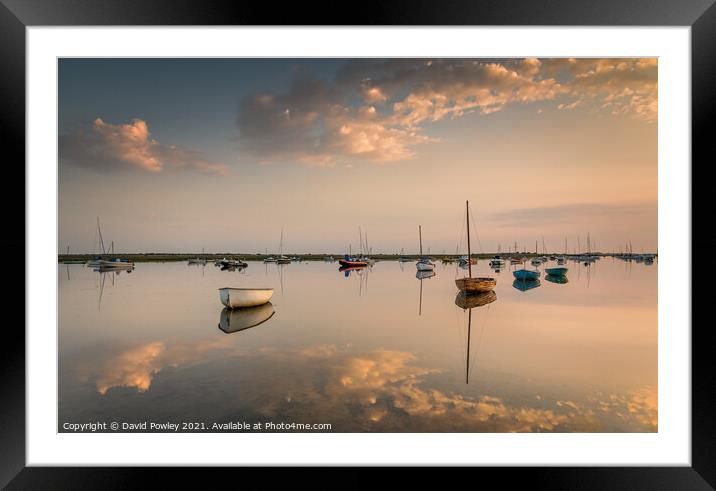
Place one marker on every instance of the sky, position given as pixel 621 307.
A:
pixel 223 155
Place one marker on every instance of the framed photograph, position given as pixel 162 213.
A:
pixel 434 237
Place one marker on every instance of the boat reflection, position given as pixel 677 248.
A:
pixel 556 279
pixel 467 301
pixel 422 275
pixel 235 320
pixel 524 285
pixel 470 301
pixel 346 270
pixel 117 270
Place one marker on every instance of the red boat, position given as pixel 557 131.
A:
pixel 350 262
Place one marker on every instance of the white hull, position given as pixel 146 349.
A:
pixel 239 298
pixel 425 266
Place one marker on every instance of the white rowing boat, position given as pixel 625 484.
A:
pixel 239 298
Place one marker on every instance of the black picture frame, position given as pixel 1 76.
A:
pixel 16 15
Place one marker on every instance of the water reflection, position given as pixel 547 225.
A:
pixel 368 364
pixel 234 320
pixel 422 275
pixel 524 285
pixel 468 302
pixel 559 279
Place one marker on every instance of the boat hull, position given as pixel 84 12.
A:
pixel 424 266
pixel 524 274
pixel 240 298
pixel 556 271
pixel 352 264
pixel 475 285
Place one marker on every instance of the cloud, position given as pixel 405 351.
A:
pixel 130 146
pixel 619 86
pixel 379 110
pixel 550 215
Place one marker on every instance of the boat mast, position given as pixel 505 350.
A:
pixel 101 241
pixel 469 253
pixel 420 234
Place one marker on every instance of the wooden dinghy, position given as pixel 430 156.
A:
pixel 475 285
pixel 239 298
pixel 234 320
pixel 468 301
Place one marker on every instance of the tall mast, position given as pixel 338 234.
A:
pixel 420 234
pixel 101 241
pixel 360 239
pixel 469 253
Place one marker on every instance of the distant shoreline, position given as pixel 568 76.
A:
pixel 169 257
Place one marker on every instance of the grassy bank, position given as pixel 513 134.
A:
pixel 167 257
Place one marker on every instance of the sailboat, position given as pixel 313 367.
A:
pixel 349 261
pixel 281 258
pixel 469 302
pixel 113 263
pixel 424 263
pixel 470 284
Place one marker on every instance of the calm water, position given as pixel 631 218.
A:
pixel 375 351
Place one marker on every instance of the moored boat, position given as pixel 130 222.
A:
pixel 238 298
pixel 497 262
pixel 473 285
pixel 556 271
pixel 424 263
pixel 352 262
pixel 526 274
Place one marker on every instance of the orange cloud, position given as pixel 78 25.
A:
pixel 318 123
pixel 116 146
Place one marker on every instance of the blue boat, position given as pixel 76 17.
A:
pixel 525 274
pixel 556 271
